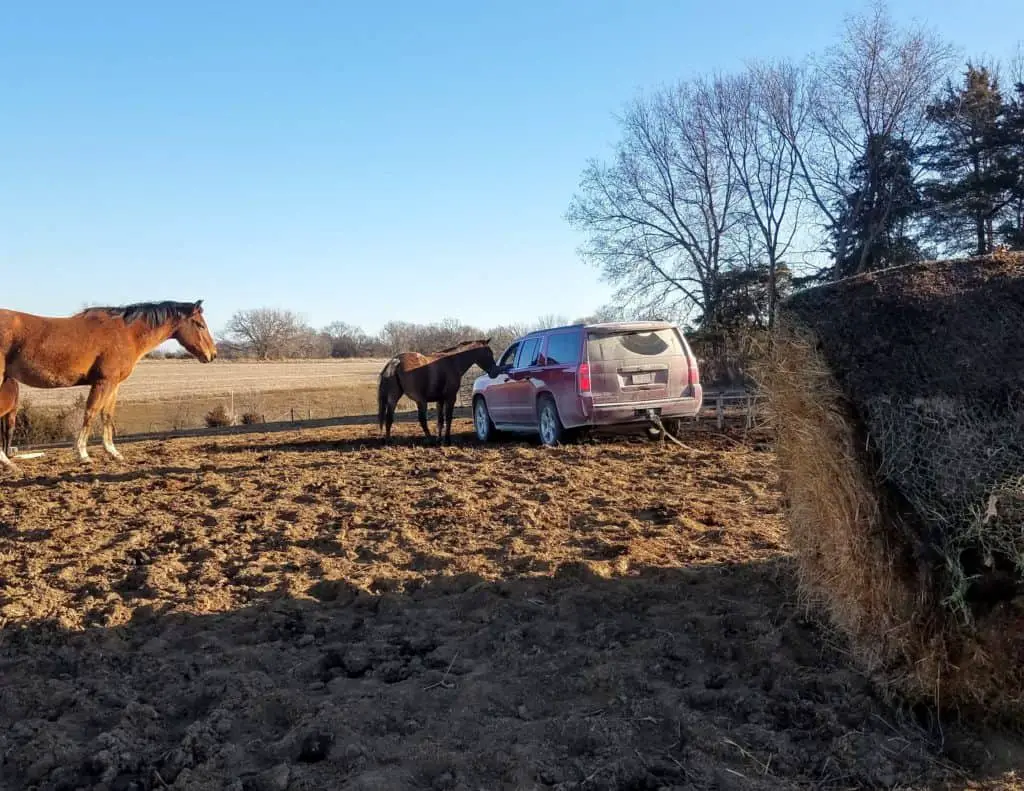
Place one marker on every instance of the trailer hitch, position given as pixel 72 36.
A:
pixel 655 417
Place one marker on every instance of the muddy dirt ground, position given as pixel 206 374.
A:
pixel 314 611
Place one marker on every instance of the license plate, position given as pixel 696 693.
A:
pixel 643 379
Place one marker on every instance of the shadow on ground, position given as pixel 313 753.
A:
pixel 668 678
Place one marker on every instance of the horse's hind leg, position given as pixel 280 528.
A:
pixel 5 441
pixel 421 411
pixel 389 415
pixel 7 426
pixel 4 461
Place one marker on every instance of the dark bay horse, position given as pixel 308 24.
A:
pixel 99 347
pixel 8 414
pixel 429 377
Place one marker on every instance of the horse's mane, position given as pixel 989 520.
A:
pixel 462 346
pixel 153 313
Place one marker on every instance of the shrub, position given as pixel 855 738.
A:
pixel 251 418
pixel 38 425
pixel 218 417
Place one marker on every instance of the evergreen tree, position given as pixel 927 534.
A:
pixel 972 163
pixel 1011 231
pixel 871 230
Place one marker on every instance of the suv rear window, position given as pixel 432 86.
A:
pixel 563 349
pixel 626 345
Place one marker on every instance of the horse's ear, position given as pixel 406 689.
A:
pixel 198 307
pixel 488 341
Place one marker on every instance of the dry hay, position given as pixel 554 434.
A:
pixel 896 398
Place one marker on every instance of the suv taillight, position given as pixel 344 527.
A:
pixel 694 373
pixel 583 378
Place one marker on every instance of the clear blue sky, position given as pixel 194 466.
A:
pixel 407 160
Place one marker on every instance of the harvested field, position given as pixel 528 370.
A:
pixel 314 611
pixel 160 380
pixel 164 395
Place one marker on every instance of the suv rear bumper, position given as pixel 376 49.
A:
pixel 635 411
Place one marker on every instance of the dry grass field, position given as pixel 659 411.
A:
pixel 163 380
pixel 163 395
pixel 311 610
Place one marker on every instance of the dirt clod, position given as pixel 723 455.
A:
pixel 315 746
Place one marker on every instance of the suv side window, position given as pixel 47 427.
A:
pixel 509 356
pixel 528 353
pixel 563 349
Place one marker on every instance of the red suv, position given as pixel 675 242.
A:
pixel 589 375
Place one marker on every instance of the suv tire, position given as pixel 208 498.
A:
pixel 482 423
pixel 549 424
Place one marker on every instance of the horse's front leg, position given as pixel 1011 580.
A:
pixel 5 462
pixel 97 398
pixel 107 415
pixel 449 408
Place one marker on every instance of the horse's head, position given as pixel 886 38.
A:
pixel 194 335
pixel 485 359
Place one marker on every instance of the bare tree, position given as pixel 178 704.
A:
pixel 310 344
pixel 755 115
pixel 656 217
pixel 875 84
pixel 349 341
pixel 399 336
pixel 550 320
pixel 269 332
pixel 1016 68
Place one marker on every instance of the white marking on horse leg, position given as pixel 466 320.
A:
pixel 83 436
pixel 6 462
pixel 108 439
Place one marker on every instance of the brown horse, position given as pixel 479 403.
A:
pixel 432 377
pixel 99 347
pixel 8 414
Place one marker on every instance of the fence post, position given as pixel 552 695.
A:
pixel 720 411
pixel 750 411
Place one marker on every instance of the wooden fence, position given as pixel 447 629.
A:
pixel 726 405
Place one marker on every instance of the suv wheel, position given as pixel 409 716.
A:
pixel 482 421
pixel 551 429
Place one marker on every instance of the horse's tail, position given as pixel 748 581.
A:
pixel 387 381
pixel 382 402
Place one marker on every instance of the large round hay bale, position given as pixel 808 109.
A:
pixel 898 398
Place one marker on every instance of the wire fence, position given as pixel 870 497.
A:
pixel 248 409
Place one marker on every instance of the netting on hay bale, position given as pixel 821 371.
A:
pixel 898 400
